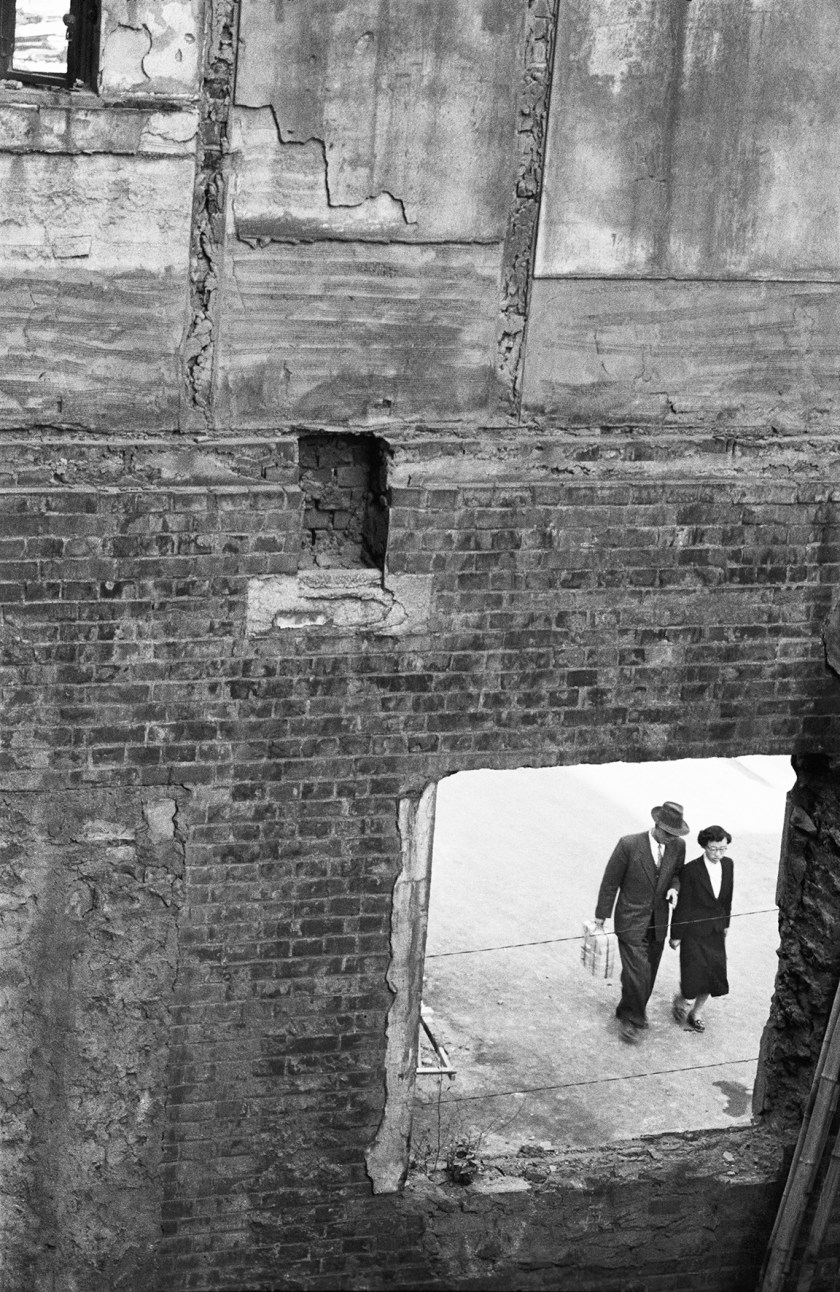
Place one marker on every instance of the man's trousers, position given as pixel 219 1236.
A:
pixel 639 963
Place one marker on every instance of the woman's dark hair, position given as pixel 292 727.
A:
pixel 713 834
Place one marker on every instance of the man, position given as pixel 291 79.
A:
pixel 644 871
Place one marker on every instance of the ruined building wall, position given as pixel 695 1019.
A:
pixel 275 761
pixel 280 547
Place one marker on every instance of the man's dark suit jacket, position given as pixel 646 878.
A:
pixel 641 892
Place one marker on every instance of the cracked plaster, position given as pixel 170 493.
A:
pixel 123 52
pixel 153 49
pixel 415 102
pixel 282 188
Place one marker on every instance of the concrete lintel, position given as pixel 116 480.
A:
pixel 339 600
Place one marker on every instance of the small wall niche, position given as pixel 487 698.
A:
pixel 345 519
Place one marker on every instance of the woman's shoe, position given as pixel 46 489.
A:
pixel 696 1024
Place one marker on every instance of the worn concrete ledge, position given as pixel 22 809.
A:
pixel 78 122
pixel 585 1219
pixel 597 453
pixel 743 1154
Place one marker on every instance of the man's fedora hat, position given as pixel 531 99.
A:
pixel 669 817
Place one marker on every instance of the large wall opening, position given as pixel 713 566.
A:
pixel 531 1037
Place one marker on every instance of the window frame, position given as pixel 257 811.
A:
pixel 82 49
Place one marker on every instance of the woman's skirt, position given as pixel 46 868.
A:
pixel 703 966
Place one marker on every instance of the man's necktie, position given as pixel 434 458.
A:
pixel 659 851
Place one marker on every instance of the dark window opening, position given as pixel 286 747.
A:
pixel 50 42
pixel 345 519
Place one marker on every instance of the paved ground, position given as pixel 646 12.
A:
pixel 518 857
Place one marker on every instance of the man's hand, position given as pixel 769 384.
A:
pixel 674 944
pixel 599 925
pixel 671 896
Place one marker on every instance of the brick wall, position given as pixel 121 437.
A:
pixel 581 611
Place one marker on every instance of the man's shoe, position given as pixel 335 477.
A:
pixel 630 1034
pixel 679 1009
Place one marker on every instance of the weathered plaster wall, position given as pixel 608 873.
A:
pixel 733 357
pixel 690 142
pixel 152 48
pixel 413 101
pixel 94 283
pixel 693 140
pixel 383 139
pixel 357 333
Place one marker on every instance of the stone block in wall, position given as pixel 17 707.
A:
pixel 94 286
pixel 346 332
pixel 281 191
pixel 729 355
pixel 340 601
pixel 89 125
pixel 369 125
pixel 413 106
pixel 693 140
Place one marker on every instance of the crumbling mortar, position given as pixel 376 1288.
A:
pixel 208 224
pixel 180 836
pixel 181 795
pixel 520 239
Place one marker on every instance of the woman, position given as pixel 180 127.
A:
pixel 699 926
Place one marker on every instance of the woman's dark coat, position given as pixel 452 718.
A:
pixel 700 921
